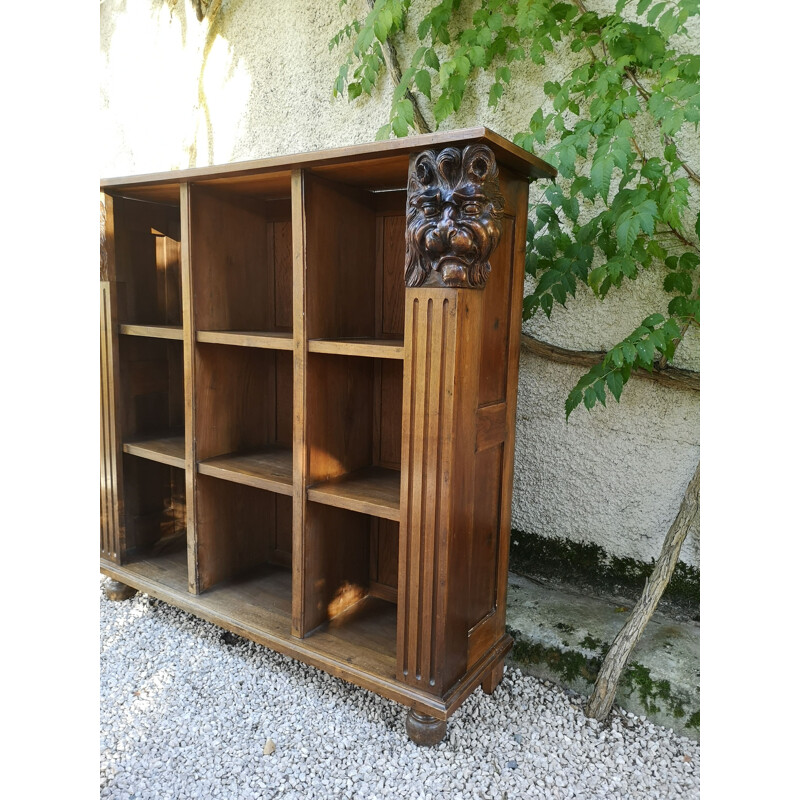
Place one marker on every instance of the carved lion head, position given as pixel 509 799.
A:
pixel 452 217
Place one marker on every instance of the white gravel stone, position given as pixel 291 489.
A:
pixel 185 712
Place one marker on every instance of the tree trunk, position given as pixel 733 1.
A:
pixel 605 687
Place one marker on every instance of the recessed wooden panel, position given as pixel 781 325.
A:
pixel 339 398
pixel 243 399
pixel 393 285
pixel 336 562
pixel 235 529
pixel 155 505
pixel 485 534
pixel 241 269
pixel 497 318
pixel 390 413
pixel 147 261
pixel 340 261
pixel 384 552
pixel 151 387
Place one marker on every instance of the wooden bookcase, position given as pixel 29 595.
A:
pixel 309 384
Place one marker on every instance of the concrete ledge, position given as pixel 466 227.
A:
pixel 561 635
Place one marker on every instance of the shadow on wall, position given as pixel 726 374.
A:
pixel 165 75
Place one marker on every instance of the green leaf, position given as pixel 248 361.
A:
pixel 503 74
pixel 614 383
pixel 645 350
pixel 627 231
pixel 353 90
pixel 600 391
pixel 589 398
pixel 628 352
pixel 573 401
pixel 399 127
pixel 689 260
pixel 600 174
pixel 423 81
pixel 642 7
pixel 547 304
pixel 652 15
pixel 678 282
pixel 616 356
pixel 383 132
pixel 495 93
pixel 431 59
pixel 653 320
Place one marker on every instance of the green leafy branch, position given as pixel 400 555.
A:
pixel 614 209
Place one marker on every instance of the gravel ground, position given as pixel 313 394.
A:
pixel 187 709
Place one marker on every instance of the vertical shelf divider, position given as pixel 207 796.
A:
pixel 190 405
pixel 112 517
pixel 299 455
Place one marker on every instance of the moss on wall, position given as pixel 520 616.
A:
pixel 588 565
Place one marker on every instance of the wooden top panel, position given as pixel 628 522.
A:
pixel 394 151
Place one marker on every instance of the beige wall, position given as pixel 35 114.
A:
pixel 259 85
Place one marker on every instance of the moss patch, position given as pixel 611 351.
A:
pixel 569 665
pixel 588 564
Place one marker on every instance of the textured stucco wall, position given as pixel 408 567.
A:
pixel 173 97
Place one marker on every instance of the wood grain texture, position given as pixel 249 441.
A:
pixel 267 469
pixel 189 386
pixel 343 162
pixel 302 450
pixel 372 490
pixel 367 348
pixel 442 338
pixel 166 450
pixel 112 512
pixel 153 331
pixel 267 341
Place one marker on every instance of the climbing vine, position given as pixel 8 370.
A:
pixel 612 126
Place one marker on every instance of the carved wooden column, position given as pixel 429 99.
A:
pixel 454 209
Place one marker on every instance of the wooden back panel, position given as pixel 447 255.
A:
pixel 241 262
pixel 147 260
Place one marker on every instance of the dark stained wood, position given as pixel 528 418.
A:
pixel 112 512
pixel 147 260
pixel 369 348
pixel 235 529
pixel 167 450
pixel 299 433
pixel 340 260
pixel 372 490
pixel 267 341
pixel 154 331
pixel 189 389
pixel 345 161
pixel 268 469
pixel 423 729
pixel 241 403
pixel 117 591
pixel 234 261
pixel 315 457
pixel 443 328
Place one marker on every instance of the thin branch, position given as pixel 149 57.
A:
pixel 666 376
pixel 622 647
pixel 396 74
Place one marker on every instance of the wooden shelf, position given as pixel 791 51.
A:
pixel 153 331
pixel 268 469
pixel 169 450
pixel 371 348
pixel 275 340
pixel 374 491
pixel 359 643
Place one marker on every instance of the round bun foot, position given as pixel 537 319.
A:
pixel 424 730
pixel 118 591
